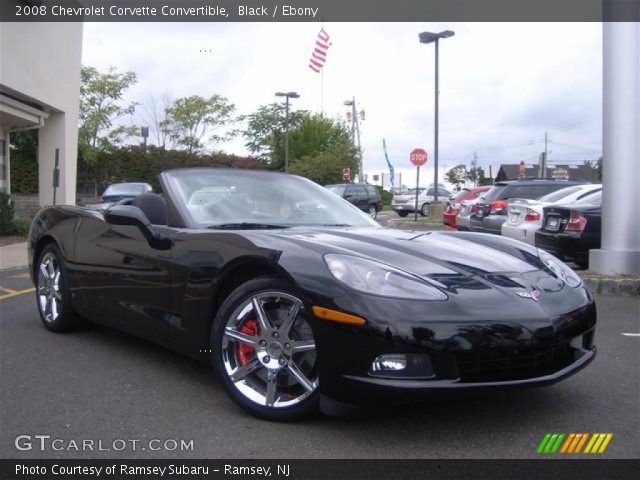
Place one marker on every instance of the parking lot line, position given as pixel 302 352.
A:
pixel 15 293
pixel 8 290
pixel 631 334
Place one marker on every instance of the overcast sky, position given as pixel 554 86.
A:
pixel 502 85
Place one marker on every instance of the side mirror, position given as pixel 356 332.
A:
pixel 130 215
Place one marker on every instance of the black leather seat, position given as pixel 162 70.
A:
pixel 153 206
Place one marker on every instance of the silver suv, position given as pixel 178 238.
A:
pixel 405 203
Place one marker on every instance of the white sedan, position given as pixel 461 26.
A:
pixel 524 217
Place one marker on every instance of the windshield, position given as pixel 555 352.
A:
pixel 594 198
pixel 250 198
pixel 462 193
pixel 125 189
pixel 559 194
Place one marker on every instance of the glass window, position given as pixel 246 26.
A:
pixel 337 189
pixel 559 195
pixel 259 198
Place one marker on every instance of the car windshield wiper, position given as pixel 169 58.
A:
pixel 245 226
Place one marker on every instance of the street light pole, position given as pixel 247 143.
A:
pixel 287 96
pixel 428 37
pixel 355 131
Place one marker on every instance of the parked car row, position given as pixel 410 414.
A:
pixel 560 216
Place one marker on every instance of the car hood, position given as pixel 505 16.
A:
pixel 421 253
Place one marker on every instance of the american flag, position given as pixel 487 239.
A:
pixel 319 55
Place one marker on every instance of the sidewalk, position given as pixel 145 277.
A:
pixel 13 256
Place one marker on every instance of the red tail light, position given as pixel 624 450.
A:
pixel 576 222
pixel 531 216
pixel 473 208
pixel 498 206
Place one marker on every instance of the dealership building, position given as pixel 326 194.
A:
pixel 39 89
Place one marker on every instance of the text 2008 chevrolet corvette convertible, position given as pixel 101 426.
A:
pixel 298 298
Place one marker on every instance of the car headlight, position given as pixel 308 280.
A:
pixel 559 269
pixel 377 278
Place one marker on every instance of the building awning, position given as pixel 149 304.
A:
pixel 15 114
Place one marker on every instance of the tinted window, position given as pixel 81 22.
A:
pixel 530 191
pixel 495 193
pixel 337 189
pixel 560 194
pixel 371 190
pixel 359 191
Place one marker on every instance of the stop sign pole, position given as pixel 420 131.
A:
pixel 418 157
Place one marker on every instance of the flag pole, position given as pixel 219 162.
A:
pixel 322 91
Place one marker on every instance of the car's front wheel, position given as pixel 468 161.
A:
pixel 52 291
pixel 264 350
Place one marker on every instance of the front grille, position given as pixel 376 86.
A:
pixel 495 365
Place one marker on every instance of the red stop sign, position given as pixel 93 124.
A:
pixel 418 157
pixel 346 174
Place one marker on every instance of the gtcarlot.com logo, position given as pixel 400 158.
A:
pixel 573 443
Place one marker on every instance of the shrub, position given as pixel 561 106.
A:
pixel 7 212
pixel 386 196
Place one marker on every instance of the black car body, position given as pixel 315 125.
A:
pixel 570 231
pixel 491 211
pixel 474 311
pixel 364 196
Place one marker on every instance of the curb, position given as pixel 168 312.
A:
pixel 626 287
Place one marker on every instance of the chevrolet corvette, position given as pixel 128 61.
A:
pixel 301 301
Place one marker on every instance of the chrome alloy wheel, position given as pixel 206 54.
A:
pixel 268 350
pixel 49 287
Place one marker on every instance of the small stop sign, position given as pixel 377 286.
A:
pixel 346 174
pixel 418 157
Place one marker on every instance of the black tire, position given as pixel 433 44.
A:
pixel 402 214
pixel 424 210
pixel 372 211
pixel 225 351
pixel 50 291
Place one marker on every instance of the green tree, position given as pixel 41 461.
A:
pixel 101 105
pixel 325 167
pixel 476 175
pixel 457 175
pixel 190 120
pixel 265 132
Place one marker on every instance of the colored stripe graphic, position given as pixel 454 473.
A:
pixel 598 443
pixel 572 443
pixel 550 443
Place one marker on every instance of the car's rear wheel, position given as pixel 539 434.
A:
pixel 402 214
pixel 373 211
pixel 52 291
pixel 424 210
pixel 264 350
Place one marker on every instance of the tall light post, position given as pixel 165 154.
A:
pixel 355 130
pixel 428 37
pixel 287 96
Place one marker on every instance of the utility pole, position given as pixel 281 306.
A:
pixel 355 131
pixel 474 169
pixel 546 158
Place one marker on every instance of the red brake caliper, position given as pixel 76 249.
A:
pixel 245 352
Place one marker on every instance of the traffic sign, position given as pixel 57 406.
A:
pixel 346 174
pixel 521 169
pixel 418 157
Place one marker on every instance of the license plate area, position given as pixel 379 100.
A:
pixel 553 223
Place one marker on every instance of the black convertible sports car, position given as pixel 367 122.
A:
pixel 297 298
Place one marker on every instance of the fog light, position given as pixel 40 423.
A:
pixel 408 366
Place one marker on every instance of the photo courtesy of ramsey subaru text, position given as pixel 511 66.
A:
pixel 301 301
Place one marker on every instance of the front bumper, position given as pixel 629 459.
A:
pixel 520 347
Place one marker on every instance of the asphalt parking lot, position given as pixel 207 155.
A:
pixel 102 385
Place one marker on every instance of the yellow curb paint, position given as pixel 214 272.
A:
pixel 16 293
